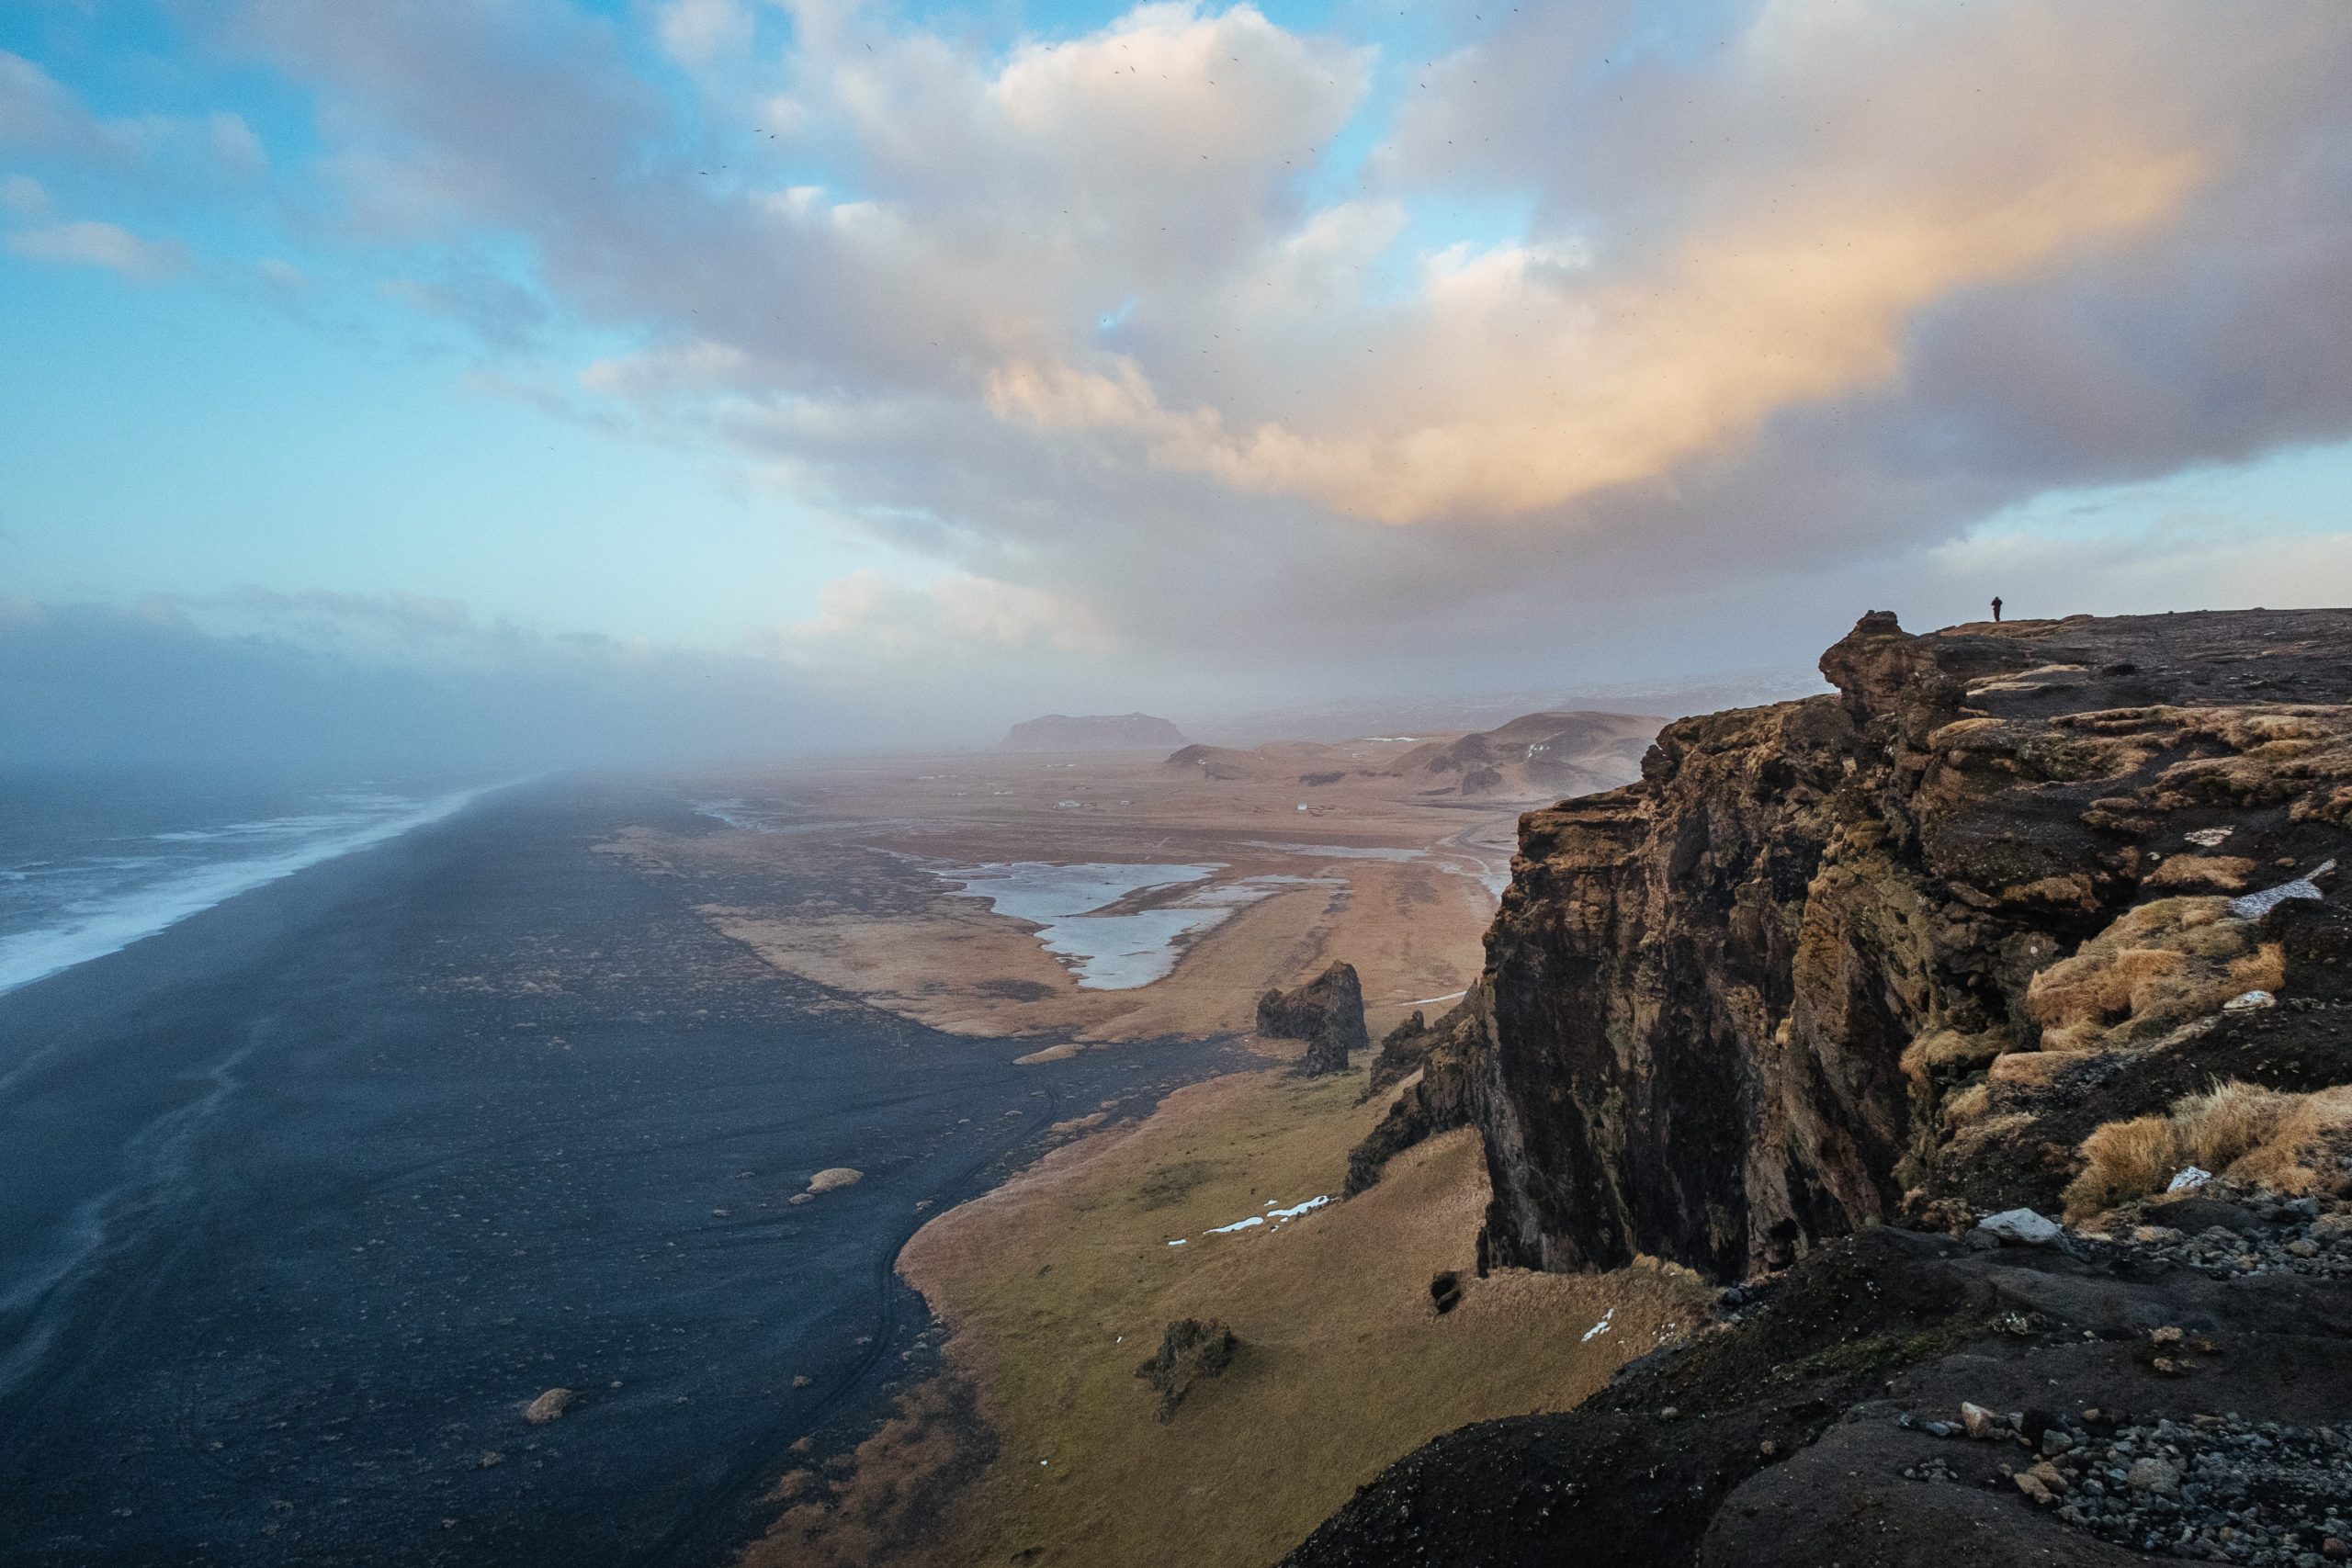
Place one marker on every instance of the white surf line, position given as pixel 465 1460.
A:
pixel 1426 1000
pixel 112 925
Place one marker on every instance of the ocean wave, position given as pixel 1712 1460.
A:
pixel 106 917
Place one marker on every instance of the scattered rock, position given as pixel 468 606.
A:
pixel 1978 1422
pixel 2187 1178
pixel 548 1407
pixel 1446 1291
pixel 2021 1227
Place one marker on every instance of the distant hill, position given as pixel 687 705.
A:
pixel 1535 756
pixel 1539 756
pixel 1093 732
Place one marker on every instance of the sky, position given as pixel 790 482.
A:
pixel 650 377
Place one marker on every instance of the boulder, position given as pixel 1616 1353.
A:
pixel 2021 1227
pixel 548 1407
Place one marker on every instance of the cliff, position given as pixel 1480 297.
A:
pixel 2038 915
pixel 1093 732
pixel 1742 1005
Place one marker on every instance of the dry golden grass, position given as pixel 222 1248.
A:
pixel 1946 1053
pixel 2201 874
pixel 1060 1283
pixel 844 900
pixel 2156 966
pixel 1966 1106
pixel 2235 1129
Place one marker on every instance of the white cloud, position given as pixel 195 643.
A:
pixel 22 197
pixel 874 616
pixel 91 244
pixel 1103 319
pixel 697 32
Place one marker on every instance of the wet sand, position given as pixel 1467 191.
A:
pixel 307 1197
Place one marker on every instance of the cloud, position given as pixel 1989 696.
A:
pixel 697 32
pixel 22 197
pixel 1193 341
pixel 91 244
pixel 35 108
pixel 875 617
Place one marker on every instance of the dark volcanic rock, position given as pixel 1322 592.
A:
pixel 1801 976
pixel 1093 732
pixel 1189 1351
pixel 1900 953
pixel 1326 1013
pixel 1438 1101
pixel 1822 1424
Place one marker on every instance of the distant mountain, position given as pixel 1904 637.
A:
pixel 1539 756
pixel 1093 732
pixel 1342 718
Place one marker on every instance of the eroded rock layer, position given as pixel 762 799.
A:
pixel 1849 958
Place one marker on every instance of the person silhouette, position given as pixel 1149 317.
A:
pixel 1996 609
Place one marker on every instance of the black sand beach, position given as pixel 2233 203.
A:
pixel 303 1200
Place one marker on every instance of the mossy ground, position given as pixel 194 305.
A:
pixel 1060 1283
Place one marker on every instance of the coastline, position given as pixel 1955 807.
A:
pixel 339 1174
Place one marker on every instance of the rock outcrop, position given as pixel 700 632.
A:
pixel 1900 1398
pixel 1837 960
pixel 1433 1062
pixel 1982 936
pixel 1189 1351
pixel 1326 1013
pixel 1093 732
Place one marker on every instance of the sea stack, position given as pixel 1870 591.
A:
pixel 1326 1013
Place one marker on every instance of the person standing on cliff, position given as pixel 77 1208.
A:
pixel 1996 609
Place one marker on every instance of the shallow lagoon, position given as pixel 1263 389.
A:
pixel 1111 952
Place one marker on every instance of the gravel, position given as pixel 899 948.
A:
pixel 2211 1489
pixel 2298 1236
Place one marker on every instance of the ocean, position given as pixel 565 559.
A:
pixel 90 863
pixel 340 1123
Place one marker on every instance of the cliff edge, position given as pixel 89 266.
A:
pixel 2036 916
pixel 1834 961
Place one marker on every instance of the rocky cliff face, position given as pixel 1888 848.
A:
pixel 2022 915
pixel 1859 956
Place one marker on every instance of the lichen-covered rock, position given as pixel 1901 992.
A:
pixel 1326 1013
pixel 1907 946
